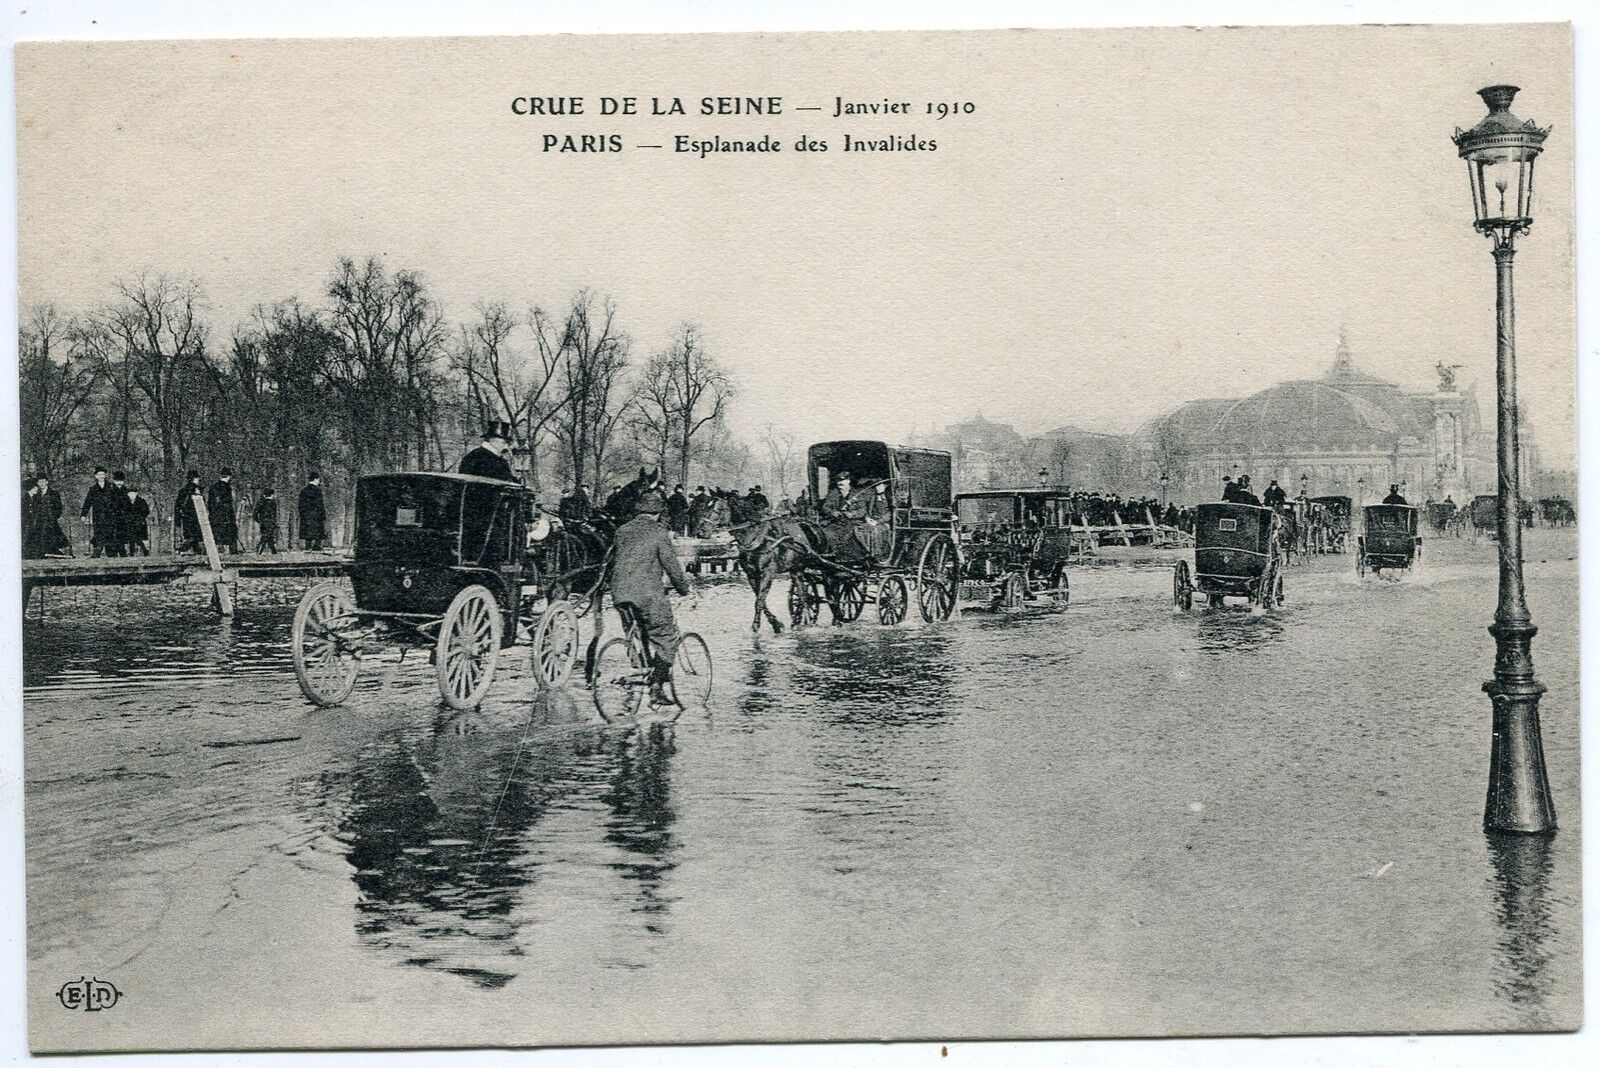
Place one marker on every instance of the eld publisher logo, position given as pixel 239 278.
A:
pixel 90 995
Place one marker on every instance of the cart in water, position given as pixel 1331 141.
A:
pixel 898 542
pixel 1014 545
pixel 444 562
pixel 1237 553
pixel 1389 539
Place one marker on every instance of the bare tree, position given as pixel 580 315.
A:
pixel 56 381
pixel 503 383
pixel 593 356
pixel 783 456
pixel 687 393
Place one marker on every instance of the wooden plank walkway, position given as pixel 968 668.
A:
pixel 144 570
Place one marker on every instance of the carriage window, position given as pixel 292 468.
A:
pixel 1227 524
pixel 822 481
pixel 406 515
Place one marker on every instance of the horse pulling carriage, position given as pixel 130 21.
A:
pixel 899 544
pixel 1014 545
pixel 1389 539
pixel 440 561
pixel 1237 553
pixel 1483 515
pixel 1334 519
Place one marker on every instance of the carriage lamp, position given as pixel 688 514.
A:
pixel 1044 477
pixel 1163 489
pixel 1303 480
pixel 1500 151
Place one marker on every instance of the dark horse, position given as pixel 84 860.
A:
pixel 574 557
pixel 770 545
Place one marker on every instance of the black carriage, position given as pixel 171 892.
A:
pixel 1389 539
pixel 1484 515
pixel 1014 545
pixel 1237 553
pixel 1557 512
pixel 1335 521
pixel 903 544
pixel 443 561
pixel 1441 516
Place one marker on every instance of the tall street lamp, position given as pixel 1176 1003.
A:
pixel 1164 497
pixel 1500 151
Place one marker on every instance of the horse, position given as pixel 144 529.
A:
pixel 770 545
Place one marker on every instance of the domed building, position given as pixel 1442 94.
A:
pixel 1347 433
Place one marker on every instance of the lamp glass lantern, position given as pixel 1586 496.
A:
pixel 1500 152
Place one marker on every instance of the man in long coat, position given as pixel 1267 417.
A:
pixel 678 511
pixel 842 512
pixel 313 513
pixel 266 517
pixel 220 507
pixel 100 512
pixel 488 459
pixel 185 519
pixel 643 558
pixel 136 524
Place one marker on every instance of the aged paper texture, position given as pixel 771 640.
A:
pixel 1080 448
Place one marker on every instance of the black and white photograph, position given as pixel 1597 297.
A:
pixel 593 540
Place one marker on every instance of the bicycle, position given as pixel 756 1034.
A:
pixel 622 669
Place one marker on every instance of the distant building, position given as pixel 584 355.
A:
pixel 1345 428
pixel 986 454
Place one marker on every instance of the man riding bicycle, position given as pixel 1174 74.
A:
pixel 643 557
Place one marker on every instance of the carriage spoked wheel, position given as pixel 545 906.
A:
pixel 691 672
pixel 893 600
pixel 938 579
pixel 468 648
pixel 1014 592
pixel 1061 583
pixel 621 677
pixel 1182 591
pixel 851 596
pixel 555 645
pixel 803 602
pixel 326 656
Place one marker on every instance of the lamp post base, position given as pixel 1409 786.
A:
pixel 1519 790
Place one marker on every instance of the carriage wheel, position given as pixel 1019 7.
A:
pixel 851 597
pixel 1277 591
pixel 938 578
pixel 1267 584
pixel 893 600
pixel 803 601
pixel 1060 583
pixel 1014 592
pixel 1182 591
pixel 468 648
pixel 621 677
pixel 326 661
pixel 691 672
pixel 555 645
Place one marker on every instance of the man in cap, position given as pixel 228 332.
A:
pixel 488 459
pixel 643 557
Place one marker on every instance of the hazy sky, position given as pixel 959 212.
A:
pixel 1128 220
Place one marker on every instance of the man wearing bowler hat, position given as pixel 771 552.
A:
pixel 488 460
pixel 643 558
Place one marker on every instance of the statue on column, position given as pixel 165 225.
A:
pixel 1447 376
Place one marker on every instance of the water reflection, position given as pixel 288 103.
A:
pixel 441 830
pixel 887 677
pixel 1236 630
pixel 1520 875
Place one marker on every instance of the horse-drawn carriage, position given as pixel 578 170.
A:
pixel 1334 522
pixel 1484 516
pixel 440 561
pixel 1014 545
pixel 1237 553
pixel 1441 516
pixel 1389 539
pixel 1557 512
pixel 902 545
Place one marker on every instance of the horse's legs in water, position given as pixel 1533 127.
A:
pixel 759 569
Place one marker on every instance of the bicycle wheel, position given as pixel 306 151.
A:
pixel 691 672
pixel 621 677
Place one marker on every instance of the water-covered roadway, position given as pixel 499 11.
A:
pixel 1108 819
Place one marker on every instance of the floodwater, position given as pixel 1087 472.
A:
pixel 1108 819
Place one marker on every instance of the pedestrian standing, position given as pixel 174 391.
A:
pixel 99 505
pixel 313 514
pixel 266 517
pixel 220 510
pixel 136 524
pixel 186 535
pixel 49 539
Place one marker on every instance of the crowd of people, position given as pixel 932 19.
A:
pixel 116 516
pixel 701 514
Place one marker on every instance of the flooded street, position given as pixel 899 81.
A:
pixel 1107 819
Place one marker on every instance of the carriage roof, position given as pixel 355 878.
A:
pixel 428 477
